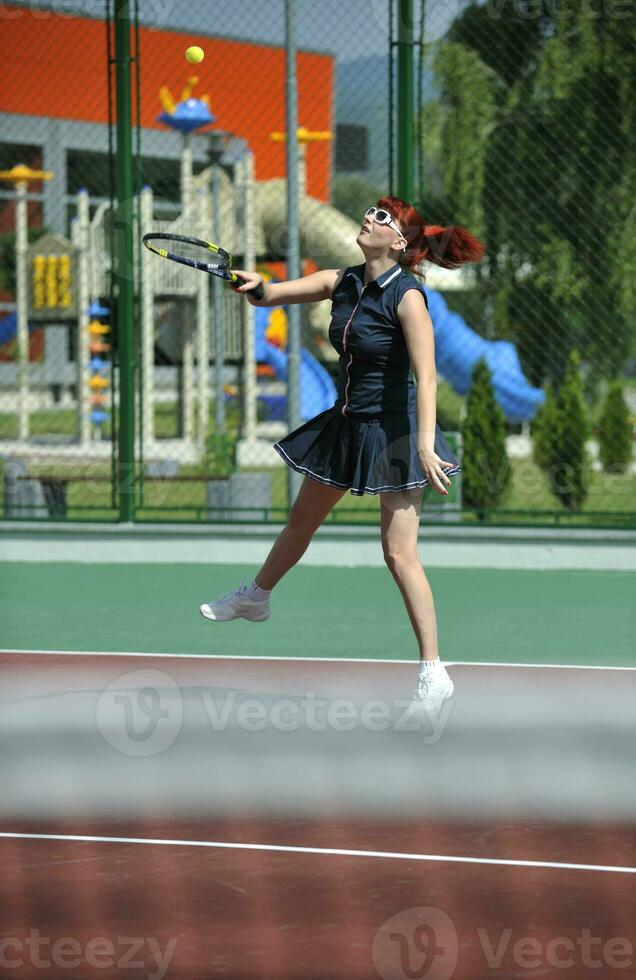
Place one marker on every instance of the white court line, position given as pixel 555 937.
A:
pixel 330 851
pixel 316 660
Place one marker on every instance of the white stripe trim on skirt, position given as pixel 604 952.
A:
pixel 348 486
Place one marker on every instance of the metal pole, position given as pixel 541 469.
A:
pixel 147 328
pixel 246 190
pixel 186 175
pixel 217 299
pixel 293 240
pixel 391 112
pixel 420 102
pixel 187 378
pixel 22 313
pixel 123 267
pixel 83 356
pixel 203 328
pixel 405 100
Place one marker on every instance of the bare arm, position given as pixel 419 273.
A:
pixel 308 289
pixel 417 327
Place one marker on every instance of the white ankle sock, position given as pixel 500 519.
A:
pixel 256 592
pixel 431 666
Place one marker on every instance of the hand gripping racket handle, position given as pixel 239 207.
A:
pixel 257 292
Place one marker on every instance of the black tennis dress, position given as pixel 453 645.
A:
pixel 367 441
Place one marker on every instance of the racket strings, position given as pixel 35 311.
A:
pixel 198 253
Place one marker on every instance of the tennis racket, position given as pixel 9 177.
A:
pixel 198 254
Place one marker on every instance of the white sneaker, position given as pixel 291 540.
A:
pixel 433 688
pixel 236 605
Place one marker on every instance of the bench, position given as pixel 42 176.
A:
pixel 21 497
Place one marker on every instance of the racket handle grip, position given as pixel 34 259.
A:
pixel 257 291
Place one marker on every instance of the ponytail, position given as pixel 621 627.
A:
pixel 448 247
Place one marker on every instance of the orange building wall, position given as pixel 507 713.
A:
pixel 59 70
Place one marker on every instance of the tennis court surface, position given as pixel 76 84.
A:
pixel 262 818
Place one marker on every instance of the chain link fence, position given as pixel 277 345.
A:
pixel 529 141
pixel 525 131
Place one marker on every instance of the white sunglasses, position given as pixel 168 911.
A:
pixel 384 217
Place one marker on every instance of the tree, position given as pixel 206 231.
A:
pixel 543 430
pixel 615 431
pixel 485 465
pixel 569 469
pixel 532 136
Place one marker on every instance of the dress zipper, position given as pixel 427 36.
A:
pixel 344 347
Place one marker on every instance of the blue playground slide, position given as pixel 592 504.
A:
pixel 317 389
pixel 457 350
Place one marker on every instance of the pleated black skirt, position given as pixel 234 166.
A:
pixel 362 453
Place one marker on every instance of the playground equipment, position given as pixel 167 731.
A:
pixel 329 238
pixel 100 348
pixel 58 280
pixel 188 292
pixel 317 389
pixel 303 138
pixel 54 284
pixel 65 277
pixel 186 116
pixel 457 350
pixel 20 176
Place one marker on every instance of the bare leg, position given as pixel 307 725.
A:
pixel 313 503
pixel 400 523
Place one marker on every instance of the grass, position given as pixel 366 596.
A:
pixel 55 422
pixel 611 499
pixel 63 421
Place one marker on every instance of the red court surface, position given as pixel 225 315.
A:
pixel 259 885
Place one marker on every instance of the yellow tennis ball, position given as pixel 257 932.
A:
pixel 194 54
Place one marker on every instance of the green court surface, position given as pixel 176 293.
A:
pixel 552 617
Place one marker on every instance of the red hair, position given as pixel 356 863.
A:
pixel 449 247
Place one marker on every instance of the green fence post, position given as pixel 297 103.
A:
pixel 124 265
pixel 405 105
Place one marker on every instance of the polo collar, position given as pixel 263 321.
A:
pixel 389 275
pixel 382 280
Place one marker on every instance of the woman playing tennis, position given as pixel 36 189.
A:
pixel 381 435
